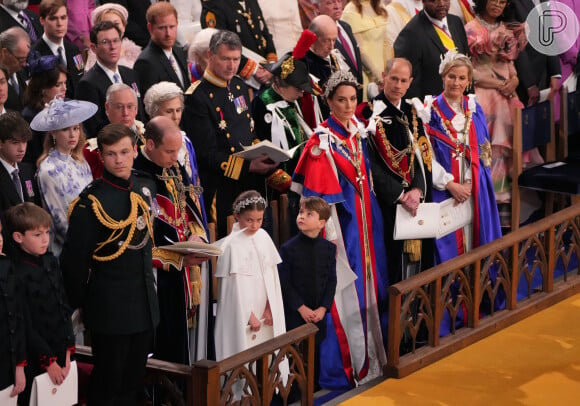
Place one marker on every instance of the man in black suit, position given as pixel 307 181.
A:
pixel 13 13
pixel 161 59
pixel 17 182
pixel 345 41
pixel 54 19
pixel 536 71
pixel 106 44
pixel 14 49
pixel 136 28
pixel 423 41
pixel 322 62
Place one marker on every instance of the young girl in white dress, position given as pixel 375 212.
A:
pixel 250 297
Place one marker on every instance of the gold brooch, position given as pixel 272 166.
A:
pixel 287 68
pixel 485 154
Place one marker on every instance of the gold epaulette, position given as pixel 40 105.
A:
pixel 193 86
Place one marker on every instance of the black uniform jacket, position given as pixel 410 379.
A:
pixel 116 292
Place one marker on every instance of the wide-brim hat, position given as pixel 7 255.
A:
pixel 292 71
pixel 61 114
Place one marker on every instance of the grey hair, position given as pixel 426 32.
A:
pixel 10 38
pixel 158 94
pixel 117 87
pixel 200 43
pixel 227 38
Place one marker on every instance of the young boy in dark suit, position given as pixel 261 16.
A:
pixel 12 329
pixel 308 272
pixel 50 334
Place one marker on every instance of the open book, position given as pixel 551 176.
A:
pixel 275 153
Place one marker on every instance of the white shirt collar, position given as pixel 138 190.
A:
pixel 109 72
pixel 53 47
pixel 9 168
pixel 438 23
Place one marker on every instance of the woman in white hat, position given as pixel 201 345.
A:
pixel 62 170
pixel 118 15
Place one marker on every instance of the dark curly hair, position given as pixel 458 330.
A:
pixel 480 6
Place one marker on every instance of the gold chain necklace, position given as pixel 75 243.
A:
pixel 397 157
pixel 447 126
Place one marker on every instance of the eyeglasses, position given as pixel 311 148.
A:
pixel 108 42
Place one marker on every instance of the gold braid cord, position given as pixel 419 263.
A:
pixel 119 227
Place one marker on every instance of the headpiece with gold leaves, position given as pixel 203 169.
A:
pixel 339 77
pixel 290 67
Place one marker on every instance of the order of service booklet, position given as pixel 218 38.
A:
pixel 275 153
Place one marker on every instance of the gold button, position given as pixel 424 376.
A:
pixel 211 95
pixel 228 135
pixel 238 87
pixel 232 149
pixel 256 36
pixel 248 115
pixel 217 109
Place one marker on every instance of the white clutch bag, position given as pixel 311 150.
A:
pixel 424 225
pixel 5 399
pixel 45 393
pixel 254 338
pixel 433 220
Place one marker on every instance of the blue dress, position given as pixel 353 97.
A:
pixel 356 325
pixel 61 178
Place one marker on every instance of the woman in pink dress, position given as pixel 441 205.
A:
pixel 494 46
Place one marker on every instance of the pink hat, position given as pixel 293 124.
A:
pixel 97 12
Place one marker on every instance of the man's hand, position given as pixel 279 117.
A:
pixel 19 381
pixel 55 373
pixel 194 259
pixel 262 75
pixel 411 200
pixel 262 165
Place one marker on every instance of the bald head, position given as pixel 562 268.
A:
pixel 163 141
pixel 326 32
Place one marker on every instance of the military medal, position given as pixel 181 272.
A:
pixel 222 124
pixel 141 223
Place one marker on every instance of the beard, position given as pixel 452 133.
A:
pixel 16 5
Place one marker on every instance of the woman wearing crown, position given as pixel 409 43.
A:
pixel 334 166
pixel 461 161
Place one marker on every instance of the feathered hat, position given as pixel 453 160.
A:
pixel 291 68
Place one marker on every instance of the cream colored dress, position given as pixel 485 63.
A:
pixel 370 32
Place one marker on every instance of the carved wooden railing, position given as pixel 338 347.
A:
pixel 252 375
pixel 417 305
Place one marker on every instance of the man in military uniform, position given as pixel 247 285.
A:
pixel 218 113
pixel 178 218
pixel 246 20
pixel 401 167
pixel 108 270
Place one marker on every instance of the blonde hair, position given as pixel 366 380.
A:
pixel 50 143
pixel 456 61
